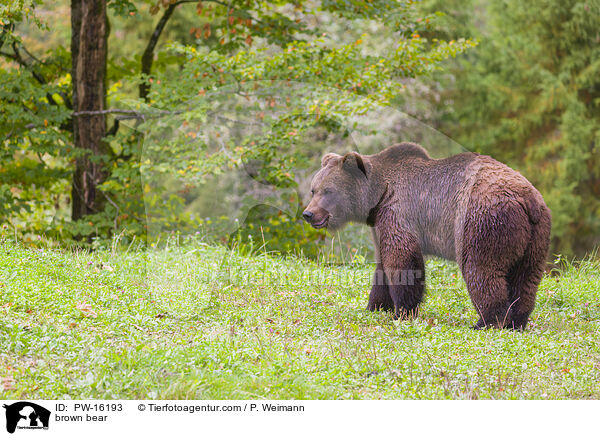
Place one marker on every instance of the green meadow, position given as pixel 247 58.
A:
pixel 194 321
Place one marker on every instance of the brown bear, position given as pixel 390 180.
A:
pixel 468 208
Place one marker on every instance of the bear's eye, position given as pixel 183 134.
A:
pixel 327 191
pixel 312 192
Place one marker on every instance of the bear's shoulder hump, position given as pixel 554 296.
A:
pixel 405 150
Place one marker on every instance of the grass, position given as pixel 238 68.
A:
pixel 201 322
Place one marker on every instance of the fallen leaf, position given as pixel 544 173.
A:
pixel 87 310
pixel 8 384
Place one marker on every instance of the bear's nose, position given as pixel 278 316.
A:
pixel 307 215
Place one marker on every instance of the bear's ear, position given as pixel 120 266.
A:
pixel 352 161
pixel 329 157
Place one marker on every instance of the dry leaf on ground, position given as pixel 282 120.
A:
pixel 7 384
pixel 87 310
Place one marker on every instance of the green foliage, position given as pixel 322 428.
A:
pixel 274 231
pixel 34 146
pixel 215 47
pixel 122 7
pixel 191 321
pixel 345 80
pixel 13 12
pixel 530 97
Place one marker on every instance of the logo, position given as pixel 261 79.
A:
pixel 26 415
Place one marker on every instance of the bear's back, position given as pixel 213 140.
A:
pixel 401 151
pixel 494 182
pixel 422 192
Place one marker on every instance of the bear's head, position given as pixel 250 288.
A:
pixel 340 192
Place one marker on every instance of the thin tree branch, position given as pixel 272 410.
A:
pixel 106 111
pixel 115 206
pixel 32 56
pixel 19 59
pixel 148 56
pixel 26 127
pixel 114 129
pixel 40 157
pixel 66 99
pixel 132 114
pixel 128 114
pixel 6 29
pixel 22 62
pixel 39 78
pixel 8 55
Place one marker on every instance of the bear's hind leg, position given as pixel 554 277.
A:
pixel 494 239
pixel 489 293
pixel 525 276
pixel 522 290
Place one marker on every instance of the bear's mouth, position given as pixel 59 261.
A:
pixel 322 223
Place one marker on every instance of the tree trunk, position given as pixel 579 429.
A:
pixel 88 50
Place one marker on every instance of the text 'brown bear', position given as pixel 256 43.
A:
pixel 468 208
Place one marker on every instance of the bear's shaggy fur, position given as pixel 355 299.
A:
pixel 469 208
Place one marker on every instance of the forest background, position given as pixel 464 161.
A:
pixel 132 119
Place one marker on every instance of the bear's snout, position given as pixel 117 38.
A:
pixel 318 219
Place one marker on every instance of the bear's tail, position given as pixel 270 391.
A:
pixel 534 210
pixel 534 205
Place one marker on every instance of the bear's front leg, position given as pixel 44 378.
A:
pixel 379 298
pixel 402 262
